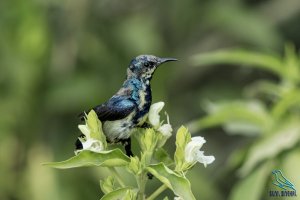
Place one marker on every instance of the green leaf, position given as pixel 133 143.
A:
pixel 119 194
pixel 290 165
pixel 95 127
pixel 236 56
pixel 163 156
pixel 265 88
pixel 292 64
pixel 183 137
pixel 255 182
pixel 111 158
pixel 285 137
pixel 238 117
pixel 148 140
pixel 178 184
pixel 289 100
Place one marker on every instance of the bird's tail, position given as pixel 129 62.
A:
pixel 82 116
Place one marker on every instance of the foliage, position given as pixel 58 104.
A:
pixel 270 114
pixel 58 58
pixel 150 143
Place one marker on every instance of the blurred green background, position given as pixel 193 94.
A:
pixel 58 58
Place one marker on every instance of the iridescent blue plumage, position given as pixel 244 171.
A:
pixel 129 107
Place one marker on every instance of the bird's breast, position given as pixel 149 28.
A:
pixel 145 99
pixel 118 129
pixel 142 97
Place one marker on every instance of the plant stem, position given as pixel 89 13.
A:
pixel 157 192
pixel 117 175
pixel 141 179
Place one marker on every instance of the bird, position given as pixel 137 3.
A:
pixel 129 107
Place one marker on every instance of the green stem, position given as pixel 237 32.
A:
pixel 117 175
pixel 142 179
pixel 157 192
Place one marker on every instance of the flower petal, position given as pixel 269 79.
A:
pixel 192 148
pixel 190 153
pixel 166 130
pixel 205 160
pixel 85 130
pixel 92 145
pixel 154 117
pixel 199 139
pixel 193 153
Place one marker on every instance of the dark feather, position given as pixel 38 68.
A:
pixel 118 107
pixel 78 144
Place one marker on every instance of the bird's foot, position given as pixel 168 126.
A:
pixel 129 153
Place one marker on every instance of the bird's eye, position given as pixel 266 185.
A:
pixel 149 64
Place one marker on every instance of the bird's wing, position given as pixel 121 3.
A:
pixel 116 108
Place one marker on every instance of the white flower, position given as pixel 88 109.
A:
pixel 166 130
pixel 193 153
pixel 92 145
pixel 154 117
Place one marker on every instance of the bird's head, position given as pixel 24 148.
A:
pixel 143 66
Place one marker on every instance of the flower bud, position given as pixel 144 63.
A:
pixel 134 165
pixel 149 140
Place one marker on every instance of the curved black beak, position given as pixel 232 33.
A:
pixel 163 60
